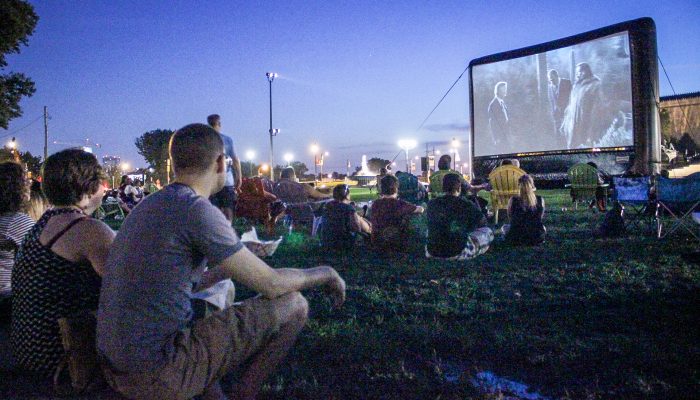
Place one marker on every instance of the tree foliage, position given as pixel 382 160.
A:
pixel 31 162
pixel 300 169
pixel 153 146
pixel 374 164
pixel 18 23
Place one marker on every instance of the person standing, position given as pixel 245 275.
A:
pixel 584 122
pixel 499 123
pixel 558 91
pixel 228 196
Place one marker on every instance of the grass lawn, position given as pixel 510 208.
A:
pixel 573 318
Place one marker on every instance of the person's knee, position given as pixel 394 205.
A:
pixel 293 308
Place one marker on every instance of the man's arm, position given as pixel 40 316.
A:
pixel 237 177
pixel 315 194
pixel 246 268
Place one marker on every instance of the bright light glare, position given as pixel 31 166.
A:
pixel 455 142
pixel 250 154
pixel 288 157
pixel 11 144
pixel 407 144
pixel 326 154
pixel 125 167
pixel 314 148
pixel 264 167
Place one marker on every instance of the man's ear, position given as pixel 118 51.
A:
pixel 220 164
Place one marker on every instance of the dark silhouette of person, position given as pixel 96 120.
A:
pixel 559 91
pixel 499 124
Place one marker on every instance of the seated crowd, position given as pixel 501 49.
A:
pixel 139 283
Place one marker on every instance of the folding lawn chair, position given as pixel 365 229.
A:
pixel 679 198
pixel 504 184
pixel 584 183
pixel 633 195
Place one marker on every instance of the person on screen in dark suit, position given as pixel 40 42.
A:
pixel 499 124
pixel 584 115
pixel 559 91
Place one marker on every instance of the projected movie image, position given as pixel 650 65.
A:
pixel 576 97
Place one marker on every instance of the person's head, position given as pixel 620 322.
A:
pixel 288 173
pixel 383 171
pixel 583 71
pixel 506 161
pixel 198 150
pixel 592 164
pixel 13 187
pixel 553 77
pixel 37 201
pixel 341 192
pixel 214 121
pixel 451 184
pixel 389 185
pixel 500 90
pixel 73 177
pixel 444 162
pixel 126 180
pixel 527 191
pixel 515 162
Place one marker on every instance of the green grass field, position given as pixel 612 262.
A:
pixel 573 318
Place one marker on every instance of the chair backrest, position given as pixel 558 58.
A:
pixel 436 181
pixel 252 187
pixel 678 190
pixel 504 185
pixel 632 189
pixel 290 192
pixel 583 176
pixel 409 188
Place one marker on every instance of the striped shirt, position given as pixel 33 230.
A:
pixel 13 227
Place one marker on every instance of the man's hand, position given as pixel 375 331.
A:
pixel 335 287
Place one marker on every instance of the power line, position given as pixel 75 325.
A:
pixel 13 133
pixel 443 98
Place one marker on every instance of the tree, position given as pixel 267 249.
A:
pixel 374 164
pixel 30 162
pixel 249 168
pixel 153 146
pixel 18 23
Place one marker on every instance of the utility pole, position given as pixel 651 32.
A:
pixel 46 133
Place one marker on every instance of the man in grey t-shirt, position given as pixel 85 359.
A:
pixel 150 345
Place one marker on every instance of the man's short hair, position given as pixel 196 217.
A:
pixel 70 174
pixel 195 148
pixel 506 161
pixel 444 162
pixel 214 119
pixel 12 187
pixel 499 84
pixel 451 183
pixel 287 173
pixel 389 185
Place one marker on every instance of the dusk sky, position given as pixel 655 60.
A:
pixel 354 76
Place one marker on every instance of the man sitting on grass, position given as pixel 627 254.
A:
pixel 389 216
pixel 150 346
pixel 456 227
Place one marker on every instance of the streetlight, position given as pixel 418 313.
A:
pixel 273 132
pixel 406 145
pixel 250 155
pixel 288 157
pixel 12 145
pixel 314 150
pixel 455 144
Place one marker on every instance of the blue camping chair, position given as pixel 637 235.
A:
pixel 679 198
pixel 633 196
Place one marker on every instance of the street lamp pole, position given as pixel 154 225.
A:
pixel 271 77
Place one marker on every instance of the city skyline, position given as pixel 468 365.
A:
pixel 353 78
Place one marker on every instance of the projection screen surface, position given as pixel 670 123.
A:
pixel 571 98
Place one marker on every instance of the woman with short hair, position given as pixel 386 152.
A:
pixel 57 271
pixel 14 224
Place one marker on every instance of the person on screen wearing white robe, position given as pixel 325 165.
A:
pixel 584 115
pixel 499 124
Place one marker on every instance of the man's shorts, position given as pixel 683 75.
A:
pixel 214 347
pixel 225 198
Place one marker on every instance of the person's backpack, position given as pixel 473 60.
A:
pixel 613 224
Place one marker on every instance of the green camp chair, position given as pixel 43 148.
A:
pixel 583 180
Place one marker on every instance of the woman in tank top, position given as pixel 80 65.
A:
pixel 58 268
pixel 525 212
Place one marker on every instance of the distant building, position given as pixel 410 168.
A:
pixel 680 120
pixel 111 161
